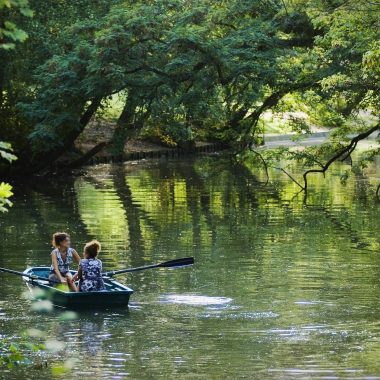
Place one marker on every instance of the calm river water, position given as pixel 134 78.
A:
pixel 281 288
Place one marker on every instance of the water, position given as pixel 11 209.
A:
pixel 281 288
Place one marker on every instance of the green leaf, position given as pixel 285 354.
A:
pixel 5 190
pixel 5 145
pixel 26 12
pixel 7 156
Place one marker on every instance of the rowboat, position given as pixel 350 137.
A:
pixel 115 295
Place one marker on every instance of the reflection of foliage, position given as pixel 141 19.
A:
pixel 102 213
pixel 175 204
pixel 240 230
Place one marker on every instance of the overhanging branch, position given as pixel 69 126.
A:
pixel 344 152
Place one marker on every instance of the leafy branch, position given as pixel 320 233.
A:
pixel 342 153
pixel 6 188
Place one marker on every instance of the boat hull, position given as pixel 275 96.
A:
pixel 115 295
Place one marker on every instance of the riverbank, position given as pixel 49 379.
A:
pixel 92 147
pixel 138 150
pixel 96 137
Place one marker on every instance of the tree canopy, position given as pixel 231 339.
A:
pixel 187 70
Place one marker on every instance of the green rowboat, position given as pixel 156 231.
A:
pixel 115 295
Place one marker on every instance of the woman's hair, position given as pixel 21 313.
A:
pixel 92 248
pixel 58 238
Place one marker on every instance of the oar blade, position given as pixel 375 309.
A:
pixel 177 262
pixel 167 264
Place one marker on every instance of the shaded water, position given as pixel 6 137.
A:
pixel 281 288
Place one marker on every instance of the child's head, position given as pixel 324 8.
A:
pixel 92 249
pixel 61 240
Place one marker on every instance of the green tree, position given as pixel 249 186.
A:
pixel 194 69
pixel 45 39
pixel 347 97
pixel 173 67
pixel 9 35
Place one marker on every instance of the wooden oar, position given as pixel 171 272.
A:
pixel 31 276
pixel 167 264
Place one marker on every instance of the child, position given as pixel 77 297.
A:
pixel 61 258
pixel 90 269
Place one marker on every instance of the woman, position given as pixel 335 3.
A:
pixel 90 269
pixel 61 258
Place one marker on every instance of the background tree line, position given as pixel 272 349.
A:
pixel 184 70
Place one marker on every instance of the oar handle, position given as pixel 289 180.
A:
pixel 31 276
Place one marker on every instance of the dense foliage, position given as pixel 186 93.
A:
pixel 189 69
pixel 9 35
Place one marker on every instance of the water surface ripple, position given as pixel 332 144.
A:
pixel 281 288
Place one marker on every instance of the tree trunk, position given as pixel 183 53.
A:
pixel 125 127
pixel 42 162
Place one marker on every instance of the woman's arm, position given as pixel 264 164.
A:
pixel 79 273
pixel 55 266
pixel 76 256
